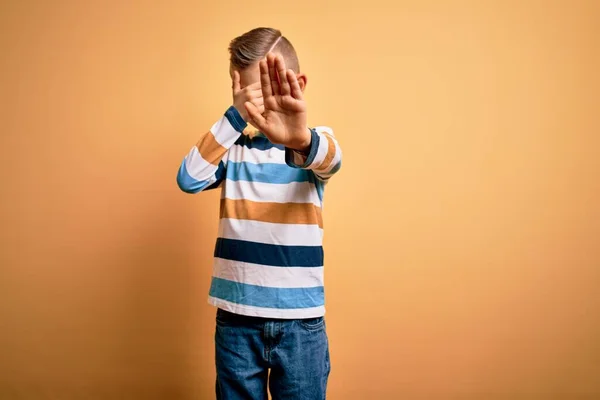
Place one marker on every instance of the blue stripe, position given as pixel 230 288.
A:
pixel 329 174
pixel 268 297
pixel 320 189
pixel 266 172
pixel 336 168
pixel 235 119
pixel 190 185
pixel 257 142
pixel 269 254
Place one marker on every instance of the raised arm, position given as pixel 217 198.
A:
pixel 284 121
pixel 204 166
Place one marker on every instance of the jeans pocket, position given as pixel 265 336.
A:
pixel 313 324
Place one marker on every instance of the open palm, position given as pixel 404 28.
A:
pixel 284 118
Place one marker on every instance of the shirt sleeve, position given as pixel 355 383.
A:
pixel 204 167
pixel 324 156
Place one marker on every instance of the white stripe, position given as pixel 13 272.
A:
pixel 224 133
pixel 270 233
pixel 256 156
pixel 268 276
pixel 286 313
pixel 323 128
pixel 321 152
pixel 197 167
pixel 293 192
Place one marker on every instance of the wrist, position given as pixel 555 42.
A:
pixel 242 111
pixel 236 119
pixel 302 144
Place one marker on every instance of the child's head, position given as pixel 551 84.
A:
pixel 251 47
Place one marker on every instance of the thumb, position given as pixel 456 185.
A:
pixel 236 82
pixel 255 116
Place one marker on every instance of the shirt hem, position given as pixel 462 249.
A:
pixel 282 313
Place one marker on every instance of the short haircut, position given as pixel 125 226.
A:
pixel 254 45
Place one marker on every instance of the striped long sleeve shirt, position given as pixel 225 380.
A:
pixel 268 259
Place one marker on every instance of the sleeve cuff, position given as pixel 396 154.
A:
pixel 235 119
pixel 314 147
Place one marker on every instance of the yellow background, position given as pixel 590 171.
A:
pixel 462 232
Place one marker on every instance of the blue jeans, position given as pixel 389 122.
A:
pixel 296 352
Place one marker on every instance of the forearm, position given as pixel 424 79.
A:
pixel 203 166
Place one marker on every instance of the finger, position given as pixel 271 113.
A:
pixel 253 86
pixel 295 86
pixel 273 73
pixel 265 80
pixel 257 99
pixel 280 66
pixel 252 93
pixel 236 82
pixel 255 116
pixel 261 109
pixel 259 103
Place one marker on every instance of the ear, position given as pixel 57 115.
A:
pixel 302 81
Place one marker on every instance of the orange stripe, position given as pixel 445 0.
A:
pixel 210 149
pixel 330 154
pixel 279 213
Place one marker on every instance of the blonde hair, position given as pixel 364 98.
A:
pixel 254 45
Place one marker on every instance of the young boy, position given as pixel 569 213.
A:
pixel 268 268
